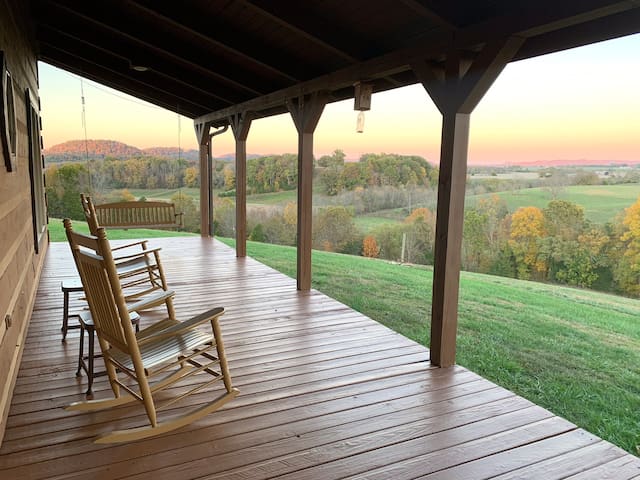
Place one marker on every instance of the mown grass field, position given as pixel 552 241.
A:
pixel 56 232
pixel 601 202
pixel 575 352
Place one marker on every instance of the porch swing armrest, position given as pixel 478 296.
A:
pixel 182 327
pixel 179 219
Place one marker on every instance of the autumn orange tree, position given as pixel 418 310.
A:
pixel 627 268
pixel 419 230
pixel 527 229
pixel 370 247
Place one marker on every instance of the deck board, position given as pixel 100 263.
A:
pixel 325 393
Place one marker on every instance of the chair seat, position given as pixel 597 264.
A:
pixel 155 353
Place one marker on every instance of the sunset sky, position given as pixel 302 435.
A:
pixel 578 104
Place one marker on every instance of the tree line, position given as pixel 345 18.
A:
pixel 554 244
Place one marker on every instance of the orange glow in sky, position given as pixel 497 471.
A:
pixel 578 104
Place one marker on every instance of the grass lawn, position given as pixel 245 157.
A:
pixel 601 202
pixel 164 194
pixel 276 198
pixel 367 223
pixel 56 232
pixel 575 352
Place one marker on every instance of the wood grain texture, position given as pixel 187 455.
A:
pixel 20 265
pixel 325 393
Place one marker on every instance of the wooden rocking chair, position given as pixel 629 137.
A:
pixel 141 273
pixel 170 350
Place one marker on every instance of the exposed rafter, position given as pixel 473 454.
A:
pixel 421 9
pixel 242 81
pixel 200 33
pixel 300 23
pixel 85 44
pixel 112 76
pixel 159 99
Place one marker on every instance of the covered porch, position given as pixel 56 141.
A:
pixel 325 393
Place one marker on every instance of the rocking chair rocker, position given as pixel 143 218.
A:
pixel 171 350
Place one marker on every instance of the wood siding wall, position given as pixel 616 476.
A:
pixel 20 266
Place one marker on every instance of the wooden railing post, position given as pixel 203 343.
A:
pixel 456 87
pixel 305 111
pixel 240 124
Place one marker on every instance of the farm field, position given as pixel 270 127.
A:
pixel 575 352
pixel 601 202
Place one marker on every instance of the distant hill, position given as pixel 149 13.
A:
pixel 78 151
pixel 581 162
pixel 172 152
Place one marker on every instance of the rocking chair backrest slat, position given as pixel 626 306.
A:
pixel 102 288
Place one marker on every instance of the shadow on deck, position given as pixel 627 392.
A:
pixel 325 393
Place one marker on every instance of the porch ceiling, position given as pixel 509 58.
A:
pixel 211 56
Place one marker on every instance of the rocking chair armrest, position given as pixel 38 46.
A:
pixel 151 300
pixel 137 254
pixel 181 327
pixel 142 243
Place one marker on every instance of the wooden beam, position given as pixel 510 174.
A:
pixel 298 21
pixel 124 84
pixel 432 45
pixel 203 34
pixel 456 88
pixel 202 135
pixel 305 111
pixel 240 124
pixel 427 12
pixel 117 25
pixel 90 44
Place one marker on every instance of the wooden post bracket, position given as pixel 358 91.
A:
pixel 459 84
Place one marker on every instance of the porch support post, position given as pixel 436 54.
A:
pixel 240 124
pixel 456 88
pixel 305 111
pixel 202 134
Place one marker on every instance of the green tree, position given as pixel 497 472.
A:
pixel 64 185
pixel 334 230
pixel 191 213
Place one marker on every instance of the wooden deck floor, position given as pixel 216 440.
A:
pixel 326 393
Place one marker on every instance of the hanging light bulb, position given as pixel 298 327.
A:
pixel 362 102
pixel 360 122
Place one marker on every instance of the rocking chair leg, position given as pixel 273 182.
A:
pixel 81 353
pixel 149 431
